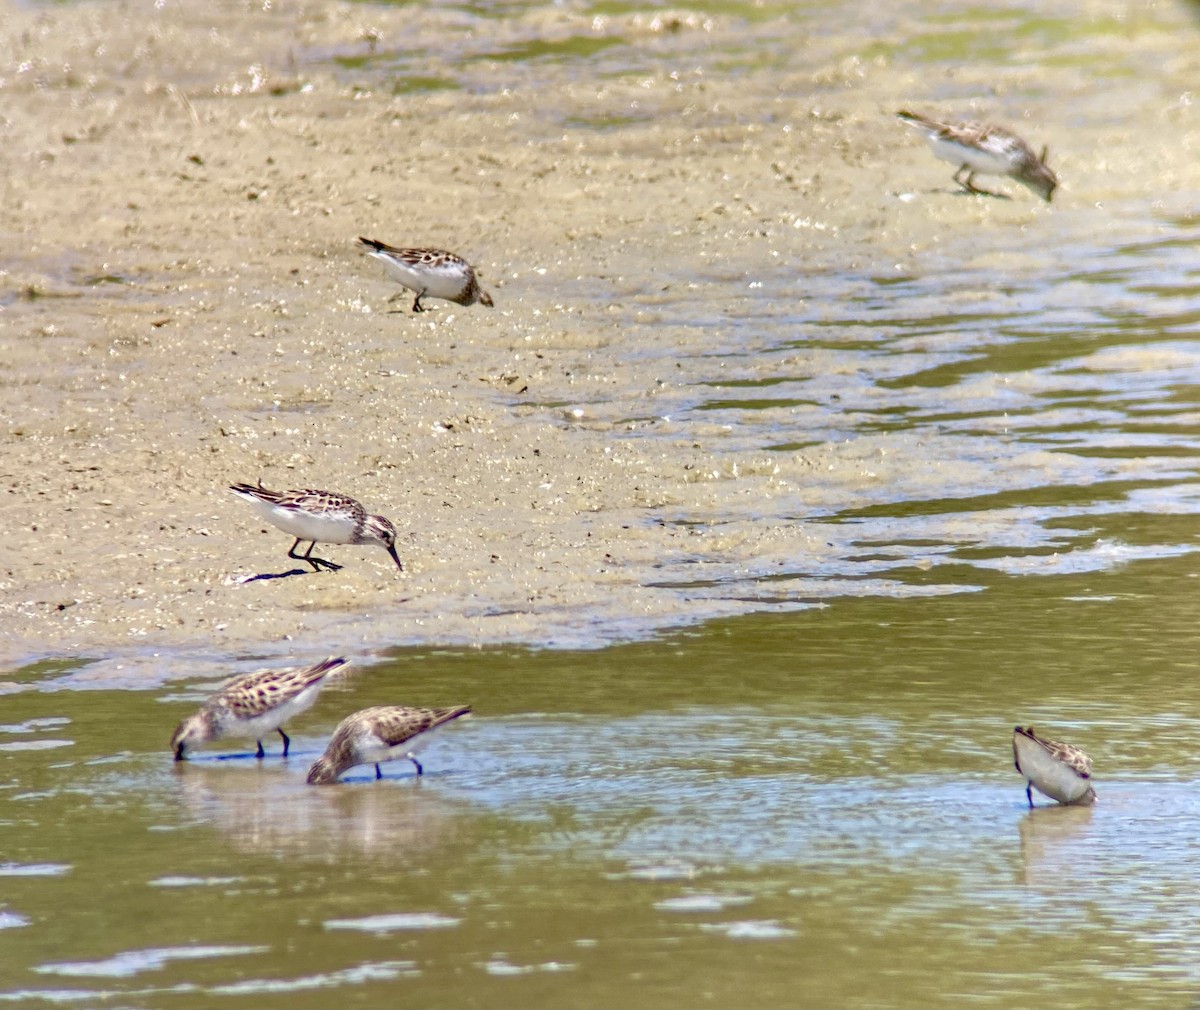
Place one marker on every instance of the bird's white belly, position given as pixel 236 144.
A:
pixel 433 281
pixel 372 750
pixel 977 160
pixel 334 528
pixel 1050 777
pixel 260 725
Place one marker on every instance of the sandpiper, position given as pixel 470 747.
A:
pixel 253 705
pixel 432 273
pixel 320 517
pixel 1057 770
pixel 982 148
pixel 378 734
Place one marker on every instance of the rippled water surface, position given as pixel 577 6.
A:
pixel 805 809
pixel 810 805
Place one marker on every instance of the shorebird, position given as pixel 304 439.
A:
pixel 373 735
pixel 431 273
pixel 1057 770
pixel 985 149
pixel 324 517
pixel 253 705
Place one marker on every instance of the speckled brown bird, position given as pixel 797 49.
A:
pixel 374 735
pixel 1057 770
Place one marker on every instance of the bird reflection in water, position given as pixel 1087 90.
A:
pixel 1054 841
pixel 260 810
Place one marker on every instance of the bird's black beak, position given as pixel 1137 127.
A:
pixel 395 557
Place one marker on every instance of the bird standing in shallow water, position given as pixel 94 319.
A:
pixel 431 273
pixel 373 735
pixel 253 705
pixel 985 149
pixel 320 517
pixel 1057 770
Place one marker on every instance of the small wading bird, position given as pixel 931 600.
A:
pixel 1054 769
pixel 323 517
pixel 984 149
pixel 378 734
pixel 254 704
pixel 431 273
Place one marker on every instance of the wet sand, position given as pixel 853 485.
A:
pixel 184 307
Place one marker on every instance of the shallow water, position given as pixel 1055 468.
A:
pixel 808 809
pixel 810 804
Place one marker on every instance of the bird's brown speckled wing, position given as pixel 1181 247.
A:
pixel 413 257
pixel 1071 756
pixel 328 502
pixel 305 500
pixel 394 725
pixel 256 693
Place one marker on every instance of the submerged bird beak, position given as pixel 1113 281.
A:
pixel 395 557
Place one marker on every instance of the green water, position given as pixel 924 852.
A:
pixel 808 809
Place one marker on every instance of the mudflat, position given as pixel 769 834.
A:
pixel 184 306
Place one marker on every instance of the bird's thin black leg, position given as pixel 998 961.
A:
pixel 417 306
pixel 969 184
pixel 286 742
pixel 302 557
pixel 420 770
pixel 1029 794
pixel 261 753
pixel 317 563
pixel 975 189
pixel 378 773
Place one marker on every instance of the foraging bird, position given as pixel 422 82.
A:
pixel 431 273
pixel 324 517
pixel 254 704
pixel 1057 770
pixel 373 735
pixel 985 149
